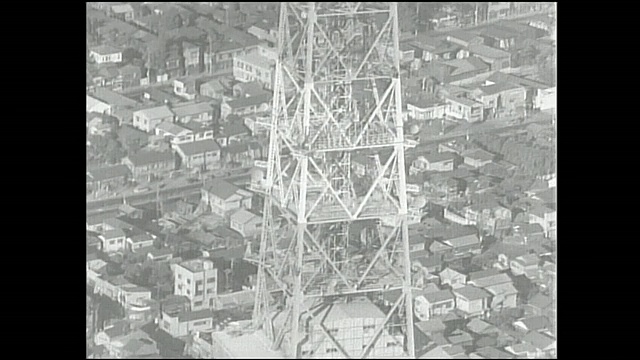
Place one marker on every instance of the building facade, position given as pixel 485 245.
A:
pixel 196 279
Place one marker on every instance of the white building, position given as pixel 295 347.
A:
pixel 545 99
pixel 353 325
pixel 196 279
pixel 105 54
pixel 254 67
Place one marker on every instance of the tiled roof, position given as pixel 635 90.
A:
pixel 243 216
pixel 222 188
pixel 141 238
pixel 438 296
pixel 250 101
pixel 463 241
pixel 499 87
pixel 109 172
pixel 112 98
pixel 438 157
pixel 195 315
pixel 478 154
pixel 157 112
pixel 199 147
pixel 105 49
pixel 113 234
pixel 472 293
pixel 538 340
pixel 149 157
pixel 192 109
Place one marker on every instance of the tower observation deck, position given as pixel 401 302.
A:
pixel 336 109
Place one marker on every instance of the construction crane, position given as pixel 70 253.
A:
pixel 337 94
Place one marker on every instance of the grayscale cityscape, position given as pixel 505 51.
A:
pixel 321 180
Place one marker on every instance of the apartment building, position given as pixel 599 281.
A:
pixel 196 279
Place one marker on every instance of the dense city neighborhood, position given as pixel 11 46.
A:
pixel 177 98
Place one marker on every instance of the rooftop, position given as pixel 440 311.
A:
pixel 488 51
pixel 438 157
pixel 113 234
pixel 243 216
pixel 499 87
pixel 538 340
pixel 257 60
pixel 195 315
pixel 105 49
pixel 199 147
pixel 463 101
pixel 462 35
pixel 462 66
pixel 141 238
pixel 113 98
pixel 192 109
pixel 466 240
pixel 250 101
pixel 222 188
pixel 471 293
pixel 481 327
pixel 439 296
pixel 196 265
pixel 109 172
pixel 357 309
pixel 431 325
pixel 534 323
pixel 478 154
pixel 157 112
pixel 171 128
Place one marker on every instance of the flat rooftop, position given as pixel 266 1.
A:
pixel 236 347
pixel 195 265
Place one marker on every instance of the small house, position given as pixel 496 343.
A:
pixel 246 223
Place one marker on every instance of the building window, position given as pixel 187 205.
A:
pixel 332 350
pixel 200 323
pixel 188 281
pixel 197 303
pixel 211 280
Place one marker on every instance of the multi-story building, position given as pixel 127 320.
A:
pixel 186 323
pixel 254 67
pixel 203 154
pixel 149 163
pixel 353 325
pixel 222 54
pixel 196 279
pixel 192 58
pixel 546 217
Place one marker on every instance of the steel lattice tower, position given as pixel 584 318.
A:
pixel 336 160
